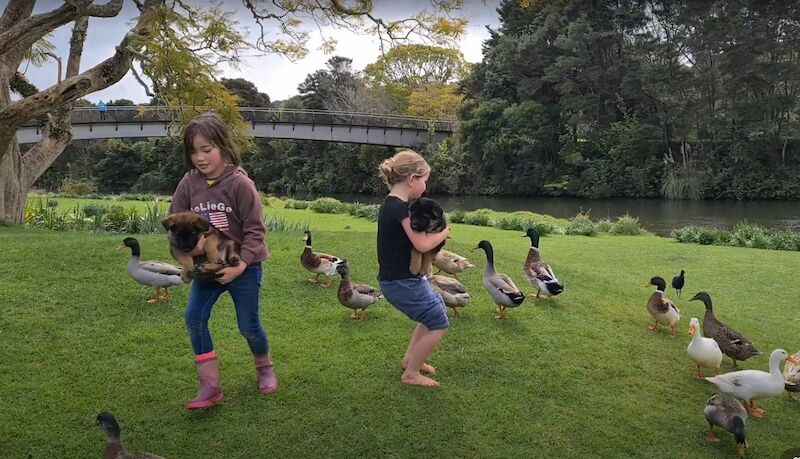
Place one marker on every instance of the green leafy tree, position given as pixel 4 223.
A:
pixel 247 93
pixel 174 49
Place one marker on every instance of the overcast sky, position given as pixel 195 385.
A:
pixel 274 75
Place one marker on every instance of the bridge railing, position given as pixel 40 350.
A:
pixel 146 113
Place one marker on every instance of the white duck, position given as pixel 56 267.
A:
pixel 749 385
pixel 704 351
pixel 151 273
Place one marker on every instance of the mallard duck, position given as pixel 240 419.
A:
pixel 662 310
pixel 704 351
pixel 355 296
pixel 453 292
pixel 318 262
pixel 791 375
pixel 155 274
pixel 730 341
pixel 501 288
pixel 749 385
pixel 451 263
pixel 114 448
pixel 539 273
pixel 678 282
pixel 729 414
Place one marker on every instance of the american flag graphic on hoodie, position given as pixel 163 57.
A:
pixel 219 220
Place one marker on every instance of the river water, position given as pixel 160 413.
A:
pixel 659 216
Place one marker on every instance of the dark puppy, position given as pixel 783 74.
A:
pixel 427 216
pixel 184 230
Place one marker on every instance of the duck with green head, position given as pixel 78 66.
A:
pixel 501 288
pixel 155 274
pixel 663 311
pixel 539 273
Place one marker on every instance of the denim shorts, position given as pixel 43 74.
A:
pixel 415 298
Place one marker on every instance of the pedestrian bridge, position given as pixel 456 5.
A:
pixel 272 123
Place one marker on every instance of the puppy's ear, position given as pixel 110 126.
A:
pixel 203 224
pixel 168 223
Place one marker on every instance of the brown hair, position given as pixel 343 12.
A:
pixel 210 126
pixel 403 164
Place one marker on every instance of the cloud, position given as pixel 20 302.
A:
pixel 275 75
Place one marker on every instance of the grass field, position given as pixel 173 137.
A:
pixel 575 376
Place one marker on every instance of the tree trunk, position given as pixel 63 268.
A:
pixel 18 173
pixel 12 191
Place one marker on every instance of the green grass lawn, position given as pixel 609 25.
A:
pixel 575 376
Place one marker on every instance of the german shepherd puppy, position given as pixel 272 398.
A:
pixel 184 230
pixel 427 216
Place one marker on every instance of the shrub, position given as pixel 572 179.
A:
pixel 626 226
pixel 327 206
pixel 521 222
pixel 297 204
pixel 95 210
pixel 78 187
pixel 456 216
pixel 604 225
pixel 277 224
pixel 480 217
pixel 368 211
pixel 746 234
pixel 582 225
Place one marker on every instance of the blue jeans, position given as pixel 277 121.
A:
pixel 415 298
pixel 245 291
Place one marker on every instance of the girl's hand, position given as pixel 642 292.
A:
pixel 227 275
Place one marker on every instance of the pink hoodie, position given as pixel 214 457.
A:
pixel 231 204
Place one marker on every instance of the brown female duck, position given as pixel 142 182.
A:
pixel 731 342
pixel 453 292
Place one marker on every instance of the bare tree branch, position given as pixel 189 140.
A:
pixel 141 82
pixel 57 129
pixel 73 87
pixel 15 11
pixel 23 34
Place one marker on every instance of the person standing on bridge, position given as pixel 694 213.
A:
pixel 406 174
pixel 101 107
pixel 220 190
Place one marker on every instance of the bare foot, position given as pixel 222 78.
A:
pixel 425 368
pixel 418 380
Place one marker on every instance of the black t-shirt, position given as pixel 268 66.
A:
pixel 394 247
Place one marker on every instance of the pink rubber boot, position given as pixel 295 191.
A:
pixel 209 393
pixel 267 381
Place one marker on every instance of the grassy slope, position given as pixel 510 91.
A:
pixel 573 376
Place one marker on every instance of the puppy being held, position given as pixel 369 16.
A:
pixel 185 230
pixel 427 216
